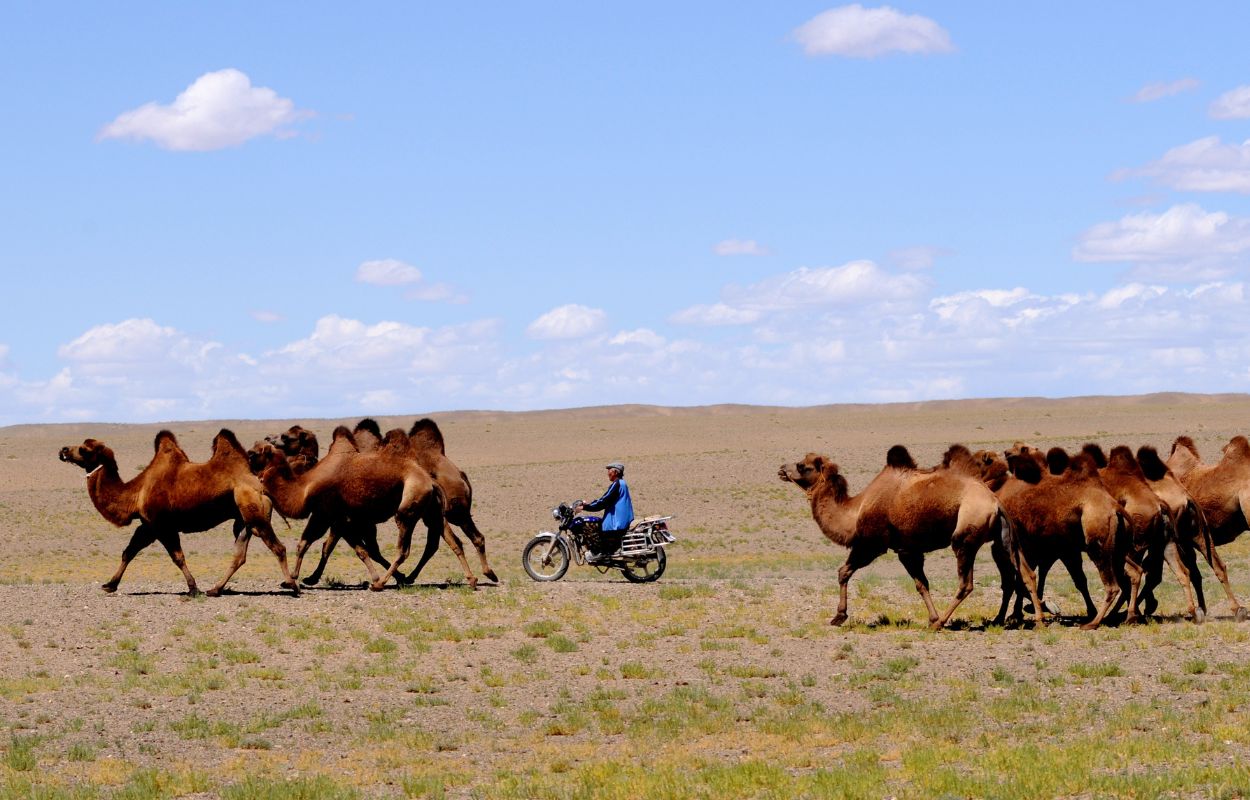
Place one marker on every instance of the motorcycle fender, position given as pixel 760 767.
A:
pixel 544 535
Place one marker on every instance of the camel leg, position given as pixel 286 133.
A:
pixel 859 557
pixel 1111 583
pixel 1207 548
pixel 457 547
pixel 1153 566
pixel 1171 554
pixel 1133 572
pixel 143 536
pixel 1006 577
pixel 173 545
pixel 466 524
pixel 965 557
pixel 914 564
pixel 271 540
pixel 237 560
pixel 1033 582
pixel 431 510
pixel 1076 571
pixel 317 526
pixel 1187 555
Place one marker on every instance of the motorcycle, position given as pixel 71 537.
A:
pixel 640 558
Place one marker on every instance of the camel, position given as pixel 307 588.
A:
pixel 909 511
pixel 349 490
pixel 1222 494
pixel 173 495
pixel 1151 524
pixel 428 448
pixel 1057 514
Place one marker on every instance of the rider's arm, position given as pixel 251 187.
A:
pixel 609 498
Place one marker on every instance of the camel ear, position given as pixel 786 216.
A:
pixel 899 458
pixel 1057 460
pixel 1095 452
pixel 1150 463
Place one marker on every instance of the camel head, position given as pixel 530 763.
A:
pixel 811 472
pixel 264 456
pixel 297 441
pixel 989 467
pixel 90 455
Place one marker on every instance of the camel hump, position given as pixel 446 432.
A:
pixel 166 444
pixel 396 440
pixel 426 435
pixel 1081 465
pixel 1187 443
pixel 1238 447
pixel 1095 452
pixel 225 443
pixel 369 425
pixel 1151 464
pixel 1123 460
pixel 1025 467
pixel 899 458
pixel 959 458
pixel 342 441
pixel 1057 460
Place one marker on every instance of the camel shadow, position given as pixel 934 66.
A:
pixel 363 586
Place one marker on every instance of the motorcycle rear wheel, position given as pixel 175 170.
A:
pixel 544 567
pixel 646 571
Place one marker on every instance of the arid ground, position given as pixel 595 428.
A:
pixel 723 679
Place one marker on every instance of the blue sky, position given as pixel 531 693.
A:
pixel 288 210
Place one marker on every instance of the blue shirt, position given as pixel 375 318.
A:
pixel 617 508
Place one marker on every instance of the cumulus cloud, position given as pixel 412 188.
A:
pixel 1157 91
pixel 1204 165
pixel 387 272
pixel 567 322
pixel 857 282
pixel 1233 104
pixel 740 247
pixel 1184 243
pixel 219 110
pixel 136 342
pixel 715 314
pixel 857 32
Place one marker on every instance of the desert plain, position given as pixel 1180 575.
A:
pixel 722 679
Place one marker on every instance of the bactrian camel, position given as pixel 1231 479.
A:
pixel 1222 492
pixel 174 495
pixel 426 445
pixel 906 510
pixel 348 489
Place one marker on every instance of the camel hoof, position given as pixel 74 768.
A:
pixel 214 592
pixel 291 585
pixel 838 620
pixel 193 591
pixel 490 573
pixel 1134 619
pixel 310 580
pixel 1089 626
pixel 1199 616
pixel 1150 606
pixel 473 584
pixel 377 586
pixel 1240 614
pixel 935 625
pixel 109 587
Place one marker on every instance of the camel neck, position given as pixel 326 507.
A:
pixel 835 512
pixel 114 498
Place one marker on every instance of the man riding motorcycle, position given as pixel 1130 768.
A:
pixel 618 512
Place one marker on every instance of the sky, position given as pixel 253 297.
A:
pixel 288 210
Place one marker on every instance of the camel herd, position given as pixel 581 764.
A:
pixel 1130 513
pixel 365 478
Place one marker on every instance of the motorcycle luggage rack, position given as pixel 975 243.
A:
pixel 636 544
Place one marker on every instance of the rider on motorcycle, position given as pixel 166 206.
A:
pixel 618 512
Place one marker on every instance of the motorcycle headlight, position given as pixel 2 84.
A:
pixel 555 513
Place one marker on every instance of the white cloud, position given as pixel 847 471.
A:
pixel 715 314
pixel 136 342
pixel 387 272
pixel 1157 91
pixel 264 315
pixel 220 109
pixel 1233 104
pixel 916 258
pixel 855 282
pixel 1204 165
pixel 567 322
pixel 857 32
pixel 1184 243
pixel 644 337
pixel 740 247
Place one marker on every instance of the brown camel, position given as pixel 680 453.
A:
pixel 427 447
pixel 1057 514
pixel 909 511
pixel 1222 493
pixel 1193 536
pixel 173 495
pixel 1151 525
pixel 349 489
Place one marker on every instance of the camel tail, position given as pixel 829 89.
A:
pixel 1006 532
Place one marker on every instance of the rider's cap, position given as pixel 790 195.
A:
pixel 616 465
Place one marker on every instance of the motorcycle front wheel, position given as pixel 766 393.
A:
pixel 646 571
pixel 544 562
